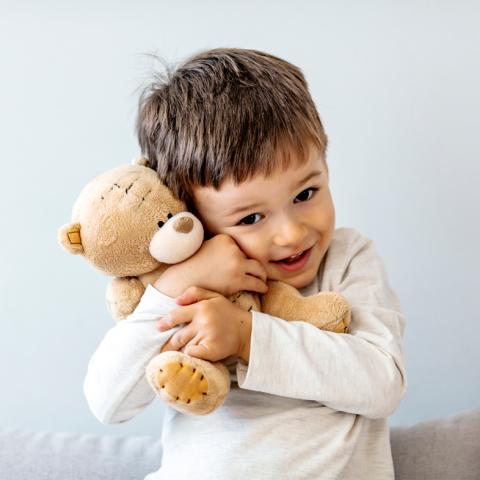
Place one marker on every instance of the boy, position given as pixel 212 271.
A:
pixel 236 135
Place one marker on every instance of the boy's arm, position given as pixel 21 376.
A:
pixel 220 266
pixel 115 385
pixel 361 372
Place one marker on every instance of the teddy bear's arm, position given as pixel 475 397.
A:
pixel 123 295
pixel 326 310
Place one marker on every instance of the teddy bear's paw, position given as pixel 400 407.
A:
pixel 122 296
pixel 326 310
pixel 335 311
pixel 189 385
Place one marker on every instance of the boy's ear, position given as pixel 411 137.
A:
pixel 69 238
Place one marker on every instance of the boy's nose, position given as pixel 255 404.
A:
pixel 290 233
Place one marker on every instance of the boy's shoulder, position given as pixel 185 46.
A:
pixel 349 251
pixel 346 240
pixel 355 269
pixel 349 245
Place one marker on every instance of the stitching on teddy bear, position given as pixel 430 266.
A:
pixel 131 185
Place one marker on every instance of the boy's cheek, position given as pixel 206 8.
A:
pixel 250 249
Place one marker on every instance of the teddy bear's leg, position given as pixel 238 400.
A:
pixel 190 385
pixel 123 295
pixel 326 310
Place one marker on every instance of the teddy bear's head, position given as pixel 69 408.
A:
pixel 126 222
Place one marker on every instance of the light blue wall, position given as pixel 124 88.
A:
pixel 397 86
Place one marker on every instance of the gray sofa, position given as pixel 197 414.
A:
pixel 443 449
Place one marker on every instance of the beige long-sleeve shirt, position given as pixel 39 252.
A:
pixel 309 405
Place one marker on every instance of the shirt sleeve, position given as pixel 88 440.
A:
pixel 115 385
pixel 361 372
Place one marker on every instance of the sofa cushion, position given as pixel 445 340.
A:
pixel 442 449
pixel 69 456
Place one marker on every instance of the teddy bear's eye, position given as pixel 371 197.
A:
pixel 169 215
pixel 160 224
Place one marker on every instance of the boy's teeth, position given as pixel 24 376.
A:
pixel 293 257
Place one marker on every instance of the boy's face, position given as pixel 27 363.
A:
pixel 273 218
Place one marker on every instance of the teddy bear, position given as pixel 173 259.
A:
pixel 127 224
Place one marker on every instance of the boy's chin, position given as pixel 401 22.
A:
pixel 298 281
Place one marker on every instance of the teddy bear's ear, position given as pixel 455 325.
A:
pixel 70 239
pixel 140 161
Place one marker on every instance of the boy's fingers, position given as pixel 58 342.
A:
pixel 255 268
pixel 253 284
pixel 195 294
pixel 174 318
pixel 179 339
pixel 194 341
pixel 199 351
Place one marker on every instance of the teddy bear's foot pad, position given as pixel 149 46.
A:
pixel 189 385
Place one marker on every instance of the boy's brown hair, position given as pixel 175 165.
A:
pixel 226 113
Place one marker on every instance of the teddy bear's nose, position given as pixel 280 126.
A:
pixel 183 225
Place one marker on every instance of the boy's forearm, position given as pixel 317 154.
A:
pixel 123 353
pixel 174 281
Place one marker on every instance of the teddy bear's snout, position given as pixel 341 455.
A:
pixel 180 237
pixel 183 225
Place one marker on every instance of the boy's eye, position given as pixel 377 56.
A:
pixel 249 219
pixel 304 196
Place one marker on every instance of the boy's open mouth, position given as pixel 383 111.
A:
pixel 295 261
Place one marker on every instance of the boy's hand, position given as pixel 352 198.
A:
pixel 219 265
pixel 215 328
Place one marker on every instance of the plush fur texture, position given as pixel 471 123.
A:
pixel 126 217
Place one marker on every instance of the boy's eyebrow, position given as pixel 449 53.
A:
pixel 240 209
pixel 255 205
pixel 308 177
